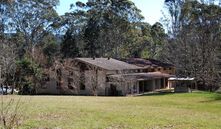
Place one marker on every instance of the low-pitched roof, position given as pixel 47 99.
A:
pixel 147 62
pixel 108 63
pixel 140 76
pixel 181 79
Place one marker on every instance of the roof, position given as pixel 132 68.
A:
pixel 108 63
pixel 181 79
pixel 147 62
pixel 141 76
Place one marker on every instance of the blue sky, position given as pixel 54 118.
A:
pixel 151 9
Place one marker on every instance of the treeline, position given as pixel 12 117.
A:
pixel 195 40
pixel 33 35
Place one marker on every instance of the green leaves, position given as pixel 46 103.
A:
pixel 104 27
pixel 194 40
pixel 34 19
pixel 28 74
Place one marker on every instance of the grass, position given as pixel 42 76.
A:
pixel 179 111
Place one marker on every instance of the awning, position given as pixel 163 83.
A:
pixel 181 79
pixel 140 76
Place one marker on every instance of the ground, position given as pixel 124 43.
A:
pixel 167 111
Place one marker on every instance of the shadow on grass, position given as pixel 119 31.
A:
pixel 215 97
pixel 156 94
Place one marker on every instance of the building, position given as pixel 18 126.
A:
pixel 182 84
pixel 0 75
pixel 154 68
pixel 100 76
pixel 152 65
pixel 138 83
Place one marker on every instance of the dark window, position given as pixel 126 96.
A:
pixel 58 84
pixel 82 86
pixel 159 69
pixel 135 89
pixel 58 71
pixel 146 70
pixel 45 78
pixel 70 82
pixel 107 79
pixel 170 68
pixel 164 68
pixel 71 73
pixel 59 78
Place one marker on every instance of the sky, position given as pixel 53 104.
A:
pixel 151 9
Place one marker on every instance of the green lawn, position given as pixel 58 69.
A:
pixel 178 111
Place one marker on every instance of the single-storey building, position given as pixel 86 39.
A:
pixel 138 83
pixel 182 84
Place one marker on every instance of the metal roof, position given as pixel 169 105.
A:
pixel 147 63
pixel 140 76
pixel 181 79
pixel 108 63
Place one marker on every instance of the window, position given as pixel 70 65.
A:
pixel 159 69
pixel 58 71
pixel 107 79
pixel 45 78
pixel 82 86
pixel 58 83
pixel 71 73
pixel 70 81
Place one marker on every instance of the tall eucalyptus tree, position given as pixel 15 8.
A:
pixel 194 45
pixel 104 25
pixel 34 19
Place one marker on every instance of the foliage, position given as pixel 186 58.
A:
pixel 106 29
pixel 112 28
pixel 69 47
pixel 195 39
pixel 33 20
pixel 28 75
pixel 7 62
pixel 50 50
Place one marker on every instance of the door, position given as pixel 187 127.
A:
pixel 113 90
pixel 141 87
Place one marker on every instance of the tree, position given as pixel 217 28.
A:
pixel 193 47
pixel 5 10
pixel 28 76
pixel 158 37
pixel 69 47
pixel 50 49
pixel 33 20
pixel 173 18
pixel 102 26
pixel 7 63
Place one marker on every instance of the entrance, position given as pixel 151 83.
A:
pixel 146 86
pixel 113 90
pixel 141 87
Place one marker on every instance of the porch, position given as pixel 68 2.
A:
pixel 138 83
